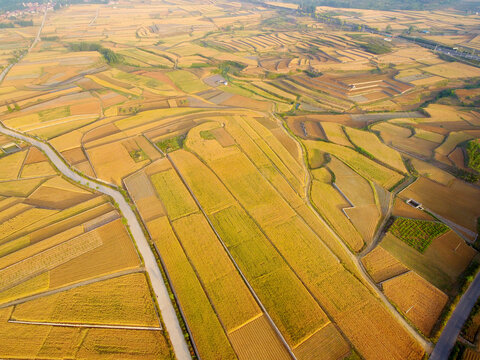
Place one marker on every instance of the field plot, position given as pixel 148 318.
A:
pixel 362 165
pixel 217 86
pixel 381 265
pixel 79 238
pixel 401 138
pixel 420 301
pixel 98 303
pixel 372 145
pixel 331 205
pixel 331 285
pixel 453 70
pixel 440 264
pixel 463 209
pixel 417 233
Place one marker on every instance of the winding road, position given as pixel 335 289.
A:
pixel 166 308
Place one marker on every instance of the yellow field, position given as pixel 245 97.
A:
pixel 27 341
pixel 48 259
pixel 370 143
pixel 332 286
pixel 256 339
pixel 22 220
pixel 330 203
pixel 432 172
pixel 335 133
pixel 220 278
pixel 453 70
pixel 10 165
pixel 116 253
pixel 21 188
pixel 326 344
pixel 174 196
pixel 364 166
pixel 112 162
pixel 30 287
pixel 208 333
pixel 381 265
pixel 420 301
pixel 125 300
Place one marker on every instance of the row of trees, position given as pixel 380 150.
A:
pixel 109 55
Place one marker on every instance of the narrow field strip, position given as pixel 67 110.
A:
pixel 123 327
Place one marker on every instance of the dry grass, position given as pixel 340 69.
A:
pixel 381 265
pixel 421 302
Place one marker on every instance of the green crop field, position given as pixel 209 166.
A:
pixel 417 233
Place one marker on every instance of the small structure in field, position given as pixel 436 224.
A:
pixel 415 204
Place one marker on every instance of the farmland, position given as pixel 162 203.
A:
pixel 57 264
pixel 298 176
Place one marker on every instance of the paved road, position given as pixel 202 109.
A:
pixel 166 308
pixel 456 321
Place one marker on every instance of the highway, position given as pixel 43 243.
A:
pixel 166 308
pixel 454 325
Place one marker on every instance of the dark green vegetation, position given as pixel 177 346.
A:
pixel 375 45
pixel 110 56
pixel 138 155
pixel 473 154
pixel 457 351
pixel 171 144
pixel 417 233
pixel 207 135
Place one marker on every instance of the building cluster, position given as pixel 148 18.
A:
pixel 29 8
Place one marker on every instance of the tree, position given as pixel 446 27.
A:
pixel 388 29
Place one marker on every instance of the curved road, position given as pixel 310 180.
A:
pixel 166 308
pixel 454 325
